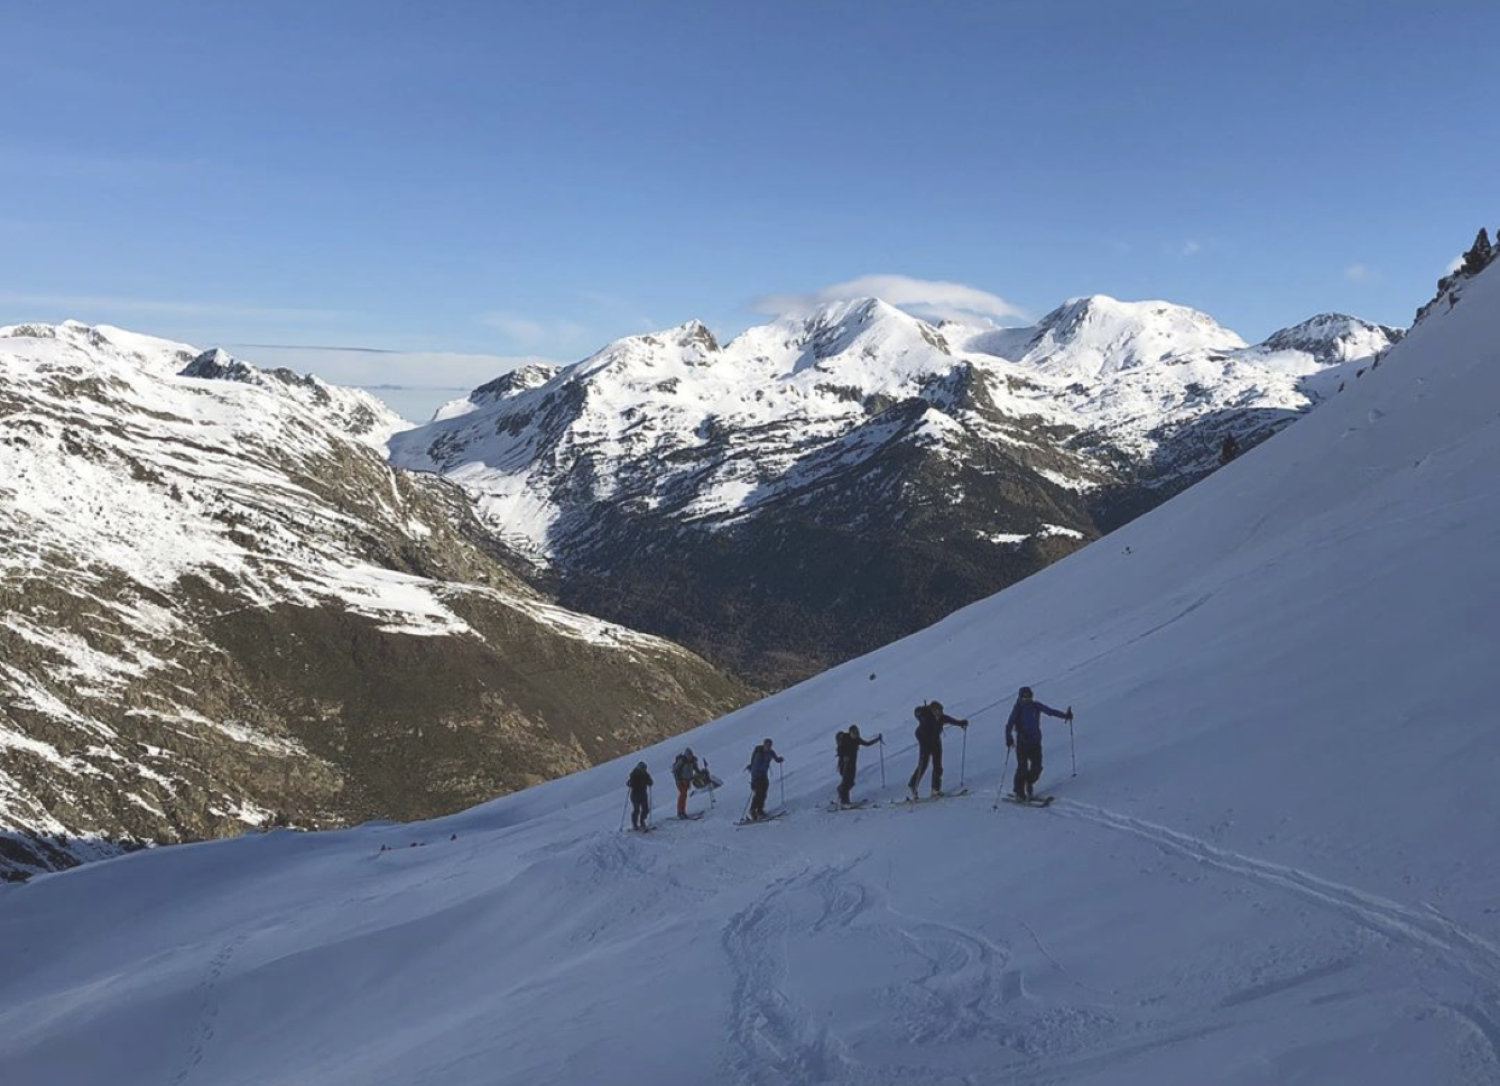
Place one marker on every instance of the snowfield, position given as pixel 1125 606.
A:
pixel 1276 863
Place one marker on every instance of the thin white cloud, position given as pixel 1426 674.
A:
pixel 1454 264
pixel 530 331
pixel 1191 247
pixel 81 305
pixel 616 306
pixel 1359 273
pixel 374 366
pixel 931 298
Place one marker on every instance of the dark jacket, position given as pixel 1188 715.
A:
pixel 1026 720
pixel 639 781
pixel 930 725
pixel 760 762
pixel 847 747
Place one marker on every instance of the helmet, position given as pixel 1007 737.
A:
pixel 639 765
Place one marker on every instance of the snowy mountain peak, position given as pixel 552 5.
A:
pixel 1097 335
pixel 1335 337
pixel 516 381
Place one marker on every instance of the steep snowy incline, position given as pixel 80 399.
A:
pixel 1274 864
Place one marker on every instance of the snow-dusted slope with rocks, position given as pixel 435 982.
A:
pixel 217 601
pixel 945 462
pixel 1274 864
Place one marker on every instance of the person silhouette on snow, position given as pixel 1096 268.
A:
pixel 760 776
pixel 639 783
pixel 930 721
pixel 847 746
pixel 1024 732
pixel 684 769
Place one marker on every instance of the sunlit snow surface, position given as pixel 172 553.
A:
pixel 1276 863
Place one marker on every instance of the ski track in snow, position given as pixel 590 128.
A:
pixel 208 1008
pixel 1458 946
pixel 1427 929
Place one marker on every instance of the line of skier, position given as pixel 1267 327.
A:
pixel 1023 734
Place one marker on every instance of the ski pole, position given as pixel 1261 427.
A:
pixel 650 803
pixel 963 758
pixel 781 779
pixel 882 763
pixel 624 811
pixel 1071 745
pixel 1000 788
pixel 713 800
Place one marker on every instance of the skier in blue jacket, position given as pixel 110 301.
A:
pixel 760 777
pixel 1024 732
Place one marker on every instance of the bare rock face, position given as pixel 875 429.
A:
pixel 832 481
pixel 221 608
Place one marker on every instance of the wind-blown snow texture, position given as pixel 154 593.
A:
pixel 1275 864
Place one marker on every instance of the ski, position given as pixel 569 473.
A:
pixel 758 821
pixel 690 817
pixel 1035 801
pixel 642 829
pixel 857 805
pixel 908 801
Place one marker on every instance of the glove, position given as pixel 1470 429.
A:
pixel 1009 743
pixel 965 724
pixel 1069 716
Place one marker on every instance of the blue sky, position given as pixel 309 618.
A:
pixel 459 181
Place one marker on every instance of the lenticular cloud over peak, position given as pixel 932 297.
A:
pixel 937 299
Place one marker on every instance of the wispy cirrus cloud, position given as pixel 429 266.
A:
pixel 617 307
pixel 1360 273
pixel 1191 247
pixel 937 299
pixel 413 382
pixel 532 331
pixel 81 305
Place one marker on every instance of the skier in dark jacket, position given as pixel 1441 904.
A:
pixel 640 783
pixel 1024 732
pixel 847 745
pixel 930 721
pixel 684 769
pixel 760 777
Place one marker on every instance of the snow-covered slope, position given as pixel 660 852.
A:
pixel 1274 864
pixel 958 459
pixel 219 602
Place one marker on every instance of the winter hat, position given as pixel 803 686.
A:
pixel 1026 692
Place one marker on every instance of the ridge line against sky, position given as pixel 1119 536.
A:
pixel 467 187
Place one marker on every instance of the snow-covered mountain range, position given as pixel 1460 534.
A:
pixel 220 604
pixel 1274 863
pixel 829 481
